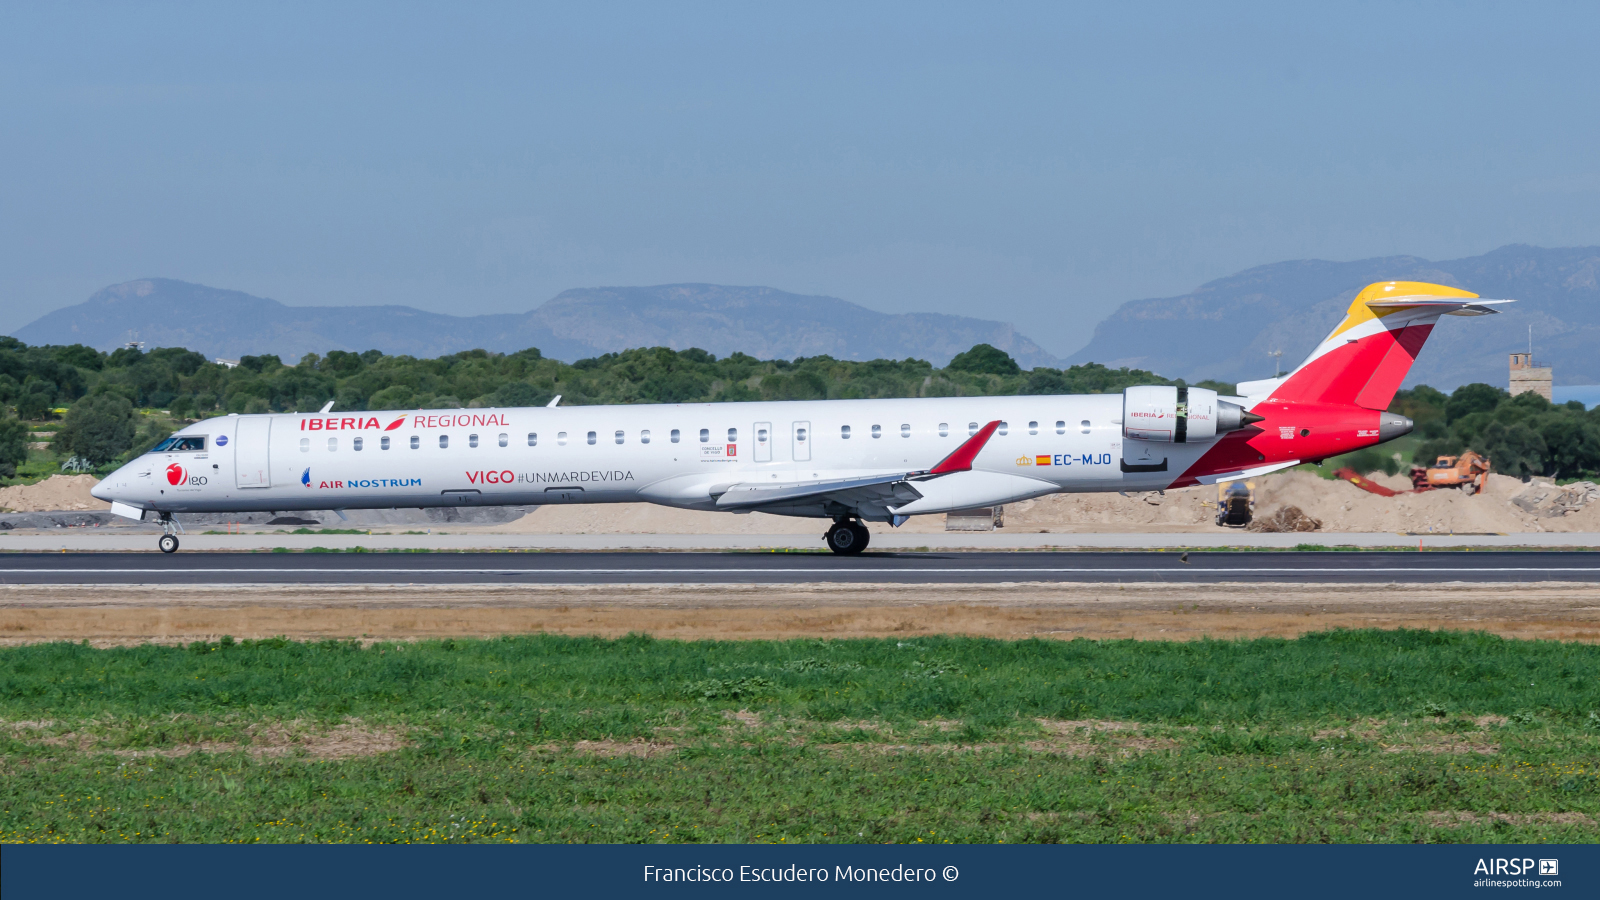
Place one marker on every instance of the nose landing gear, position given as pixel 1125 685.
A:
pixel 169 540
pixel 847 537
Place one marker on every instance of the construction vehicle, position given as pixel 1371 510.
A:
pixel 1236 503
pixel 1469 472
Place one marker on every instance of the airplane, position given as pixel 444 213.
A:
pixel 849 461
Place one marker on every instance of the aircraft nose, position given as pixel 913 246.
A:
pixel 101 492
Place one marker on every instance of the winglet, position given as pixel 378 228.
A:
pixel 961 459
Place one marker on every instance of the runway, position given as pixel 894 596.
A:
pixel 1196 567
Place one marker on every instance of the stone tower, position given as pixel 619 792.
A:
pixel 1525 376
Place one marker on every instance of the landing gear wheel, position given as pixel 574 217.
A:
pixel 168 543
pixel 848 538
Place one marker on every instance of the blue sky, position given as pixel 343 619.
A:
pixel 1034 163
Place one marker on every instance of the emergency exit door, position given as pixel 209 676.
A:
pixel 802 441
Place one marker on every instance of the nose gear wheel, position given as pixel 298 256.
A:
pixel 169 540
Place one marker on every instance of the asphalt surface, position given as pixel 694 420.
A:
pixel 1197 567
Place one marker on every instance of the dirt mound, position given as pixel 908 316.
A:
pixel 1342 507
pixel 57 492
pixel 1288 519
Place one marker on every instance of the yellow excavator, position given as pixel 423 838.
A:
pixel 1469 472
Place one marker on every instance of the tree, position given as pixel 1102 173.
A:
pixel 13 445
pixel 512 393
pixel 1573 446
pixel 98 428
pixel 1514 449
pixel 1471 398
pixel 984 359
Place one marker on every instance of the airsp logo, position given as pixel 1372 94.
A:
pixel 1516 867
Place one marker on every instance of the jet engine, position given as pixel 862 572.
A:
pixel 1172 414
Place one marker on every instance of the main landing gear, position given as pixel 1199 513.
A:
pixel 847 537
pixel 169 540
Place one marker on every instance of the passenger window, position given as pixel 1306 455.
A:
pixel 592 437
pixel 472 440
pixel 800 435
pixel 674 435
pixel 844 432
pixel 944 429
pixel 305 445
pixel 877 432
pixel 1033 427
pixel 333 444
pixel 644 436
pixel 733 435
pixel 1085 424
pixel 761 435
pixel 619 437
pixel 1061 427
pixel 561 438
pixel 383 443
pixel 1004 427
pixel 972 428
pixel 905 431
pixel 533 439
pixel 415 442
pixel 355 444
pixel 705 435
pixel 444 441
pixel 505 439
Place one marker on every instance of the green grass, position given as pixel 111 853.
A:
pixel 1344 736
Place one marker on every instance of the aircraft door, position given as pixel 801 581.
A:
pixel 763 442
pixel 802 441
pixel 252 464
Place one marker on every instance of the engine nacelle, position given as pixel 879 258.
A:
pixel 1169 414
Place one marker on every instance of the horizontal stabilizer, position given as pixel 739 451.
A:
pixel 1440 306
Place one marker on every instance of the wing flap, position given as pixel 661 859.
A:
pixel 892 486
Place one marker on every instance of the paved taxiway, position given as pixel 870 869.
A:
pixel 1483 567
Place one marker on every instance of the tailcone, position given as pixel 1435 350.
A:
pixel 1393 425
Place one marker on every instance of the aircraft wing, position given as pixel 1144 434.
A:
pixel 892 488
pixel 897 488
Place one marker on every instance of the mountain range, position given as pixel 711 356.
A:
pixel 760 321
pixel 1227 328
pixel 1224 329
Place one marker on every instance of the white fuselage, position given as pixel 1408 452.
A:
pixel 683 455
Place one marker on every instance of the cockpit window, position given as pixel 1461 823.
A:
pixel 181 442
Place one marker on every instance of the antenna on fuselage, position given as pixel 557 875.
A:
pixel 325 407
pixel 552 403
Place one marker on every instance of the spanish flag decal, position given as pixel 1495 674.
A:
pixel 1042 461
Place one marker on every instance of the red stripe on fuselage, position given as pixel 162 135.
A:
pixel 1290 431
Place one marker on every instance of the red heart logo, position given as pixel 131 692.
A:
pixel 176 475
